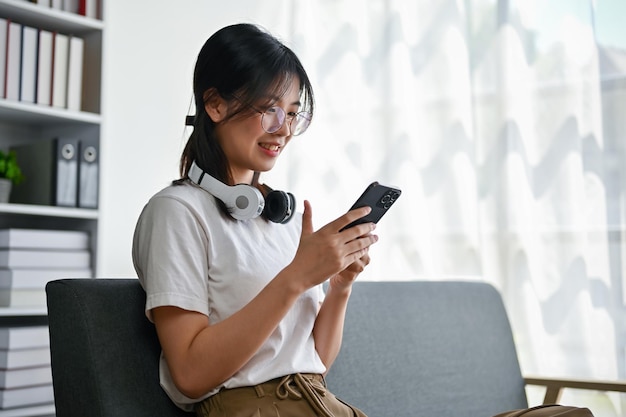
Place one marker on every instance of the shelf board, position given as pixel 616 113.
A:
pixel 31 14
pixel 48 211
pixel 38 115
pixel 41 410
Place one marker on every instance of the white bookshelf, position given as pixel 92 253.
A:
pixel 22 123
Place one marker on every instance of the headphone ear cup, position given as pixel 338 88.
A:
pixel 244 202
pixel 279 206
pixel 292 208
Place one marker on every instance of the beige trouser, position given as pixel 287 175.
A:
pixel 297 395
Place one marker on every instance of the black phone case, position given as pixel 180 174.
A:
pixel 380 198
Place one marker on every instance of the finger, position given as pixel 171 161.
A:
pixel 358 231
pixel 360 247
pixel 365 259
pixel 307 218
pixel 349 217
pixel 360 264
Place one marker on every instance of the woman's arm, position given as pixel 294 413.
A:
pixel 328 329
pixel 201 356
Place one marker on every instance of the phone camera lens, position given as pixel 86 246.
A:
pixel 388 199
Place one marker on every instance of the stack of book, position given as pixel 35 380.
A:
pixel 29 258
pixel 25 371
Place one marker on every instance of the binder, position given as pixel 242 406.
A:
pixel 44 68
pixel 14 52
pixel 60 64
pixel 28 64
pixel 4 32
pixel 75 73
pixel 88 8
pixel 66 172
pixel 88 173
pixel 70 6
pixel 50 169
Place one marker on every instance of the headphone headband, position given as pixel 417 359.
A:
pixel 200 177
pixel 242 201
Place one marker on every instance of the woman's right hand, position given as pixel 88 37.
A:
pixel 329 250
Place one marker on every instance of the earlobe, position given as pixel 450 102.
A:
pixel 214 105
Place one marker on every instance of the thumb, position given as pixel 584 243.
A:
pixel 307 218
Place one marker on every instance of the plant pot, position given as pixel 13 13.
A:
pixel 5 190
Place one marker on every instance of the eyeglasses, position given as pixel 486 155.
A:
pixel 274 117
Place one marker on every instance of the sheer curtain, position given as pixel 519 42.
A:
pixel 503 123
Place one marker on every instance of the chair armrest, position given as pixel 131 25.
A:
pixel 554 386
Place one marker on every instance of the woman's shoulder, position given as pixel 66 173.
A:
pixel 182 196
pixel 182 190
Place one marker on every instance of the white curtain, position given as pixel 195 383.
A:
pixel 503 123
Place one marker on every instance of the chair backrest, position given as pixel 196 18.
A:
pixel 427 349
pixel 104 351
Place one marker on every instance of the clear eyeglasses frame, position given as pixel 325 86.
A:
pixel 275 117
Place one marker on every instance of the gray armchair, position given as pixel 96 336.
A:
pixel 410 349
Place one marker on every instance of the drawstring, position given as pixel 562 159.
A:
pixel 303 388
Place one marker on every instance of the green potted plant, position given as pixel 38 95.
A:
pixel 10 173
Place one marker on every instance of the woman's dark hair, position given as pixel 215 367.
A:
pixel 245 63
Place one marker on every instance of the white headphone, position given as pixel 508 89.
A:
pixel 245 201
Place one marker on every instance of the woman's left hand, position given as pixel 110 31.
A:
pixel 344 279
pixel 328 328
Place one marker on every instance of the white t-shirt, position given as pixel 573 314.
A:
pixel 188 255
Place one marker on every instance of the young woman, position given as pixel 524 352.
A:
pixel 237 300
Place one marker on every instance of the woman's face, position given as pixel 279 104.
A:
pixel 248 147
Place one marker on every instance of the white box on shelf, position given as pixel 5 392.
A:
pixel 38 278
pixel 26 377
pixel 27 396
pixel 24 337
pixel 43 239
pixel 63 259
pixel 23 297
pixel 24 358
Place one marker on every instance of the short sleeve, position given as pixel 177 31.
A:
pixel 170 256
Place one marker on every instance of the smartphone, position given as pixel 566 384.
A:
pixel 380 198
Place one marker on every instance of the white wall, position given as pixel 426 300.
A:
pixel 150 47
